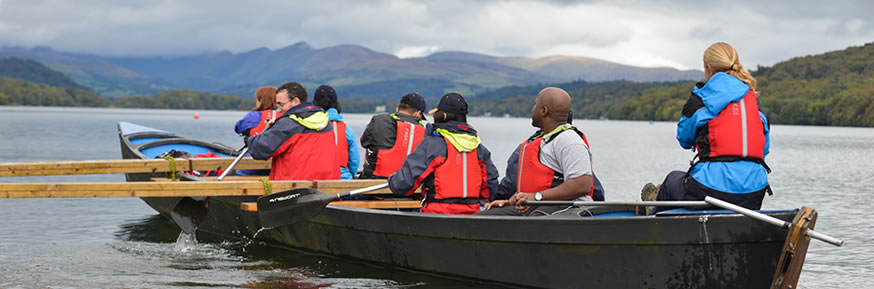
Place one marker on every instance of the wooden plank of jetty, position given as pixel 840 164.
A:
pixel 86 167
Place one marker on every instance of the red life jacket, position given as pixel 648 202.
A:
pixel 307 155
pixel 209 172
pixel 532 175
pixel 737 133
pixel 408 136
pixel 339 128
pixel 266 115
pixel 459 184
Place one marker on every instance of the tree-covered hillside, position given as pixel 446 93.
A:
pixel 835 88
pixel 33 71
pixel 21 92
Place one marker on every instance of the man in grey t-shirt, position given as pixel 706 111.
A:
pixel 554 165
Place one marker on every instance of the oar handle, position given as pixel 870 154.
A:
pixel 234 163
pixel 771 220
pixel 362 190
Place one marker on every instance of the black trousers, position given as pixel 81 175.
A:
pixel 678 186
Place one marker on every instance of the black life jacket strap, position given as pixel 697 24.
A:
pixel 729 159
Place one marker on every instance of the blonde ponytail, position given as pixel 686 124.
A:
pixel 722 57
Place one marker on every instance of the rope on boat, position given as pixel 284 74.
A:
pixel 268 186
pixel 172 173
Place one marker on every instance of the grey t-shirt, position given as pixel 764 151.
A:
pixel 568 155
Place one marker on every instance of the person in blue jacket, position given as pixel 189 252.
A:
pixel 724 123
pixel 326 97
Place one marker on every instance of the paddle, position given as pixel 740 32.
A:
pixel 292 206
pixel 771 220
pixel 190 211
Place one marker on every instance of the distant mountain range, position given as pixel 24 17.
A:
pixel 356 71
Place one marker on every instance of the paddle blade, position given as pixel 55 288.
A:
pixel 291 206
pixel 188 213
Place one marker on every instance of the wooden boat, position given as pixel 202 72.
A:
pixel 700 249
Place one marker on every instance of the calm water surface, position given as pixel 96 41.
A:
pixel 122 243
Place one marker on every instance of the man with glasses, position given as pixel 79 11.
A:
pixel 300 142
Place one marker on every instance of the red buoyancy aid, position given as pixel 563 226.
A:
pixel 737 133
pixel 340 141
pixel 304 157
pixel 266 115
pixel 459 182
pixel 532 175
pixel 408 136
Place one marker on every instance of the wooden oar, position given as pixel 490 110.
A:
pixel 292 206
pixel 86 167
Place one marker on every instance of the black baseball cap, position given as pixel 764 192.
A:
pixel 415 101
pixel 325 92
pixel 452 102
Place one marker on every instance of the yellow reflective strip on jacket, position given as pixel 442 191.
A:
pixel 396 117
pixel 316 121
pixel 559 129
pixel 461 141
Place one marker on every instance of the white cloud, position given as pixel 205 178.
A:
pixel 415 51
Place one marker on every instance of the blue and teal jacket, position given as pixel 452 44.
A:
pixel 705 103
pixel 354 158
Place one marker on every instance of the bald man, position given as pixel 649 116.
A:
pixel 553 165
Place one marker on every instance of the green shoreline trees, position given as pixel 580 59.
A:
pixel 835 88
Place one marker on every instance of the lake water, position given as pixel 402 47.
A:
pixel 122 243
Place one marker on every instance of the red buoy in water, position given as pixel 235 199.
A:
pixel 196 116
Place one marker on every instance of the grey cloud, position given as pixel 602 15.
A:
pixel 768 32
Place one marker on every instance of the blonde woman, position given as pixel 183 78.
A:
pixel 723 122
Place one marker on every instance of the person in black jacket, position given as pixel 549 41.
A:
pixel 384 153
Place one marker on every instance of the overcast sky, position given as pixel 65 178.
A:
pixel 642 33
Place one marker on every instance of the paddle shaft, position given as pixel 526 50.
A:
pixel 772 220
pixel 362 190
pixel 234 163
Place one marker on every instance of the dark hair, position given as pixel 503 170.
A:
pixel 442 116
pixel 294 90
pixel 266 96
pixel 326 97
pixel 406 107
